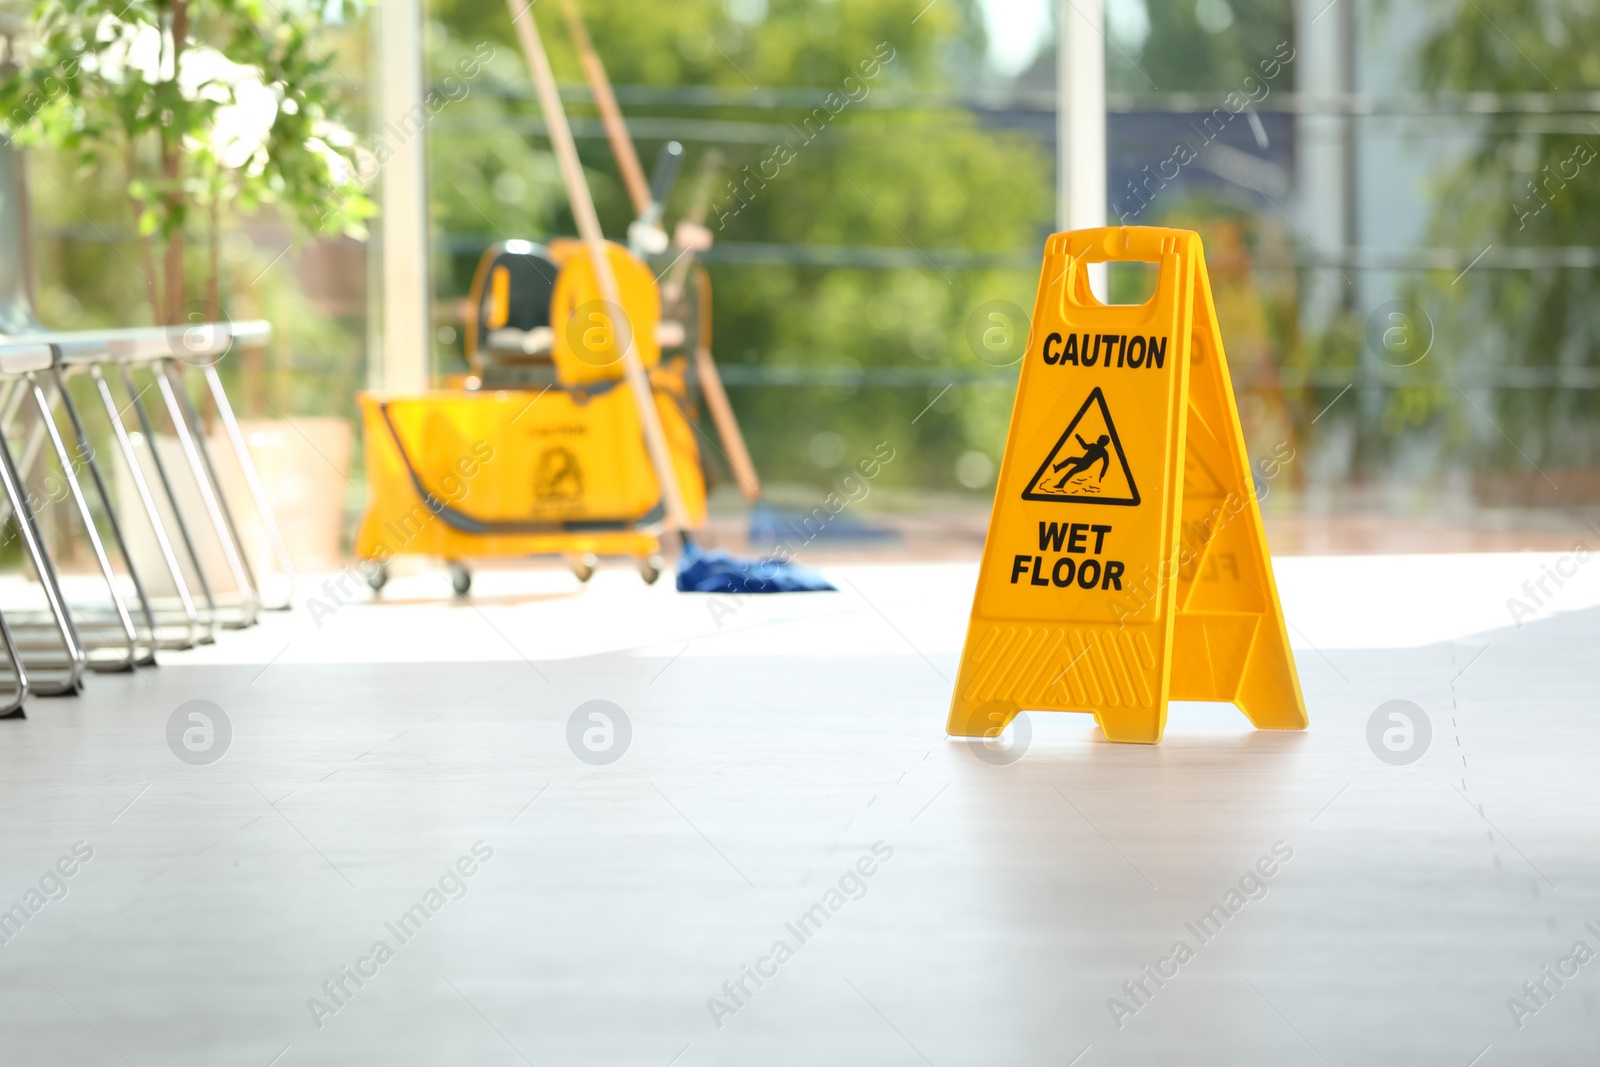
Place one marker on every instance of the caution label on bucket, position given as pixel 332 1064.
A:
pixel 558 478
pixel 1124 481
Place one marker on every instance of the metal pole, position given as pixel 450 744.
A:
pixel 92 535
pixel 147 428
pixel 33 543
pixel 1322 163
pixel 147 501
pixel 402 363
pixel 113 523
pixel 232 551
pixel 1081 122
pixel 258 489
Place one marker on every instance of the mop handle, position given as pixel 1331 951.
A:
pixel 646 201
pixel 738 455
pixel 583 213
pixel 610 114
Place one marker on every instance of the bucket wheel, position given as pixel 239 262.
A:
pixel 583 567
pixel 460 578
pixel 650 568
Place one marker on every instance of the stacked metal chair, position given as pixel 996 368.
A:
pixel 56 490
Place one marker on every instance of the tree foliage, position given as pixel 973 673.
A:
pixel 1532 182
pixel 215 105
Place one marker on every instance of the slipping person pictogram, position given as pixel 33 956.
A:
pixel 1092 454
pixel 1096 471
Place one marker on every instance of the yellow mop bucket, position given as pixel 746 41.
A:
pixel 469 474
pixel 464 475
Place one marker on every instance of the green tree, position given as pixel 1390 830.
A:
pixel 1209 46
pixel 1531 183
pixel 219 105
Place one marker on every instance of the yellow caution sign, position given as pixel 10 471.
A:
pixel 1125 564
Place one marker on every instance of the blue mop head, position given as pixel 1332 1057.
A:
pixel 719 572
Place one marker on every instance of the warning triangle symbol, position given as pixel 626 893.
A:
pixel 1087 465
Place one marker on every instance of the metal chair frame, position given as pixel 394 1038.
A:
pixel 35 367
pixel 120 635
pixel 18 360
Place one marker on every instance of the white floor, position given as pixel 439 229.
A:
pixel 776 744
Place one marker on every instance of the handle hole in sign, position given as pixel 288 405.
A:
pixel 1132 283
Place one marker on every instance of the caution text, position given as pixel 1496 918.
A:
pixel 1105 350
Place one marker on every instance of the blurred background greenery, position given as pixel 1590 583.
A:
pixel 847 285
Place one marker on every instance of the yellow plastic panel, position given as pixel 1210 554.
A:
pixel 590 335
pixel 526 466
pixel 499 297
